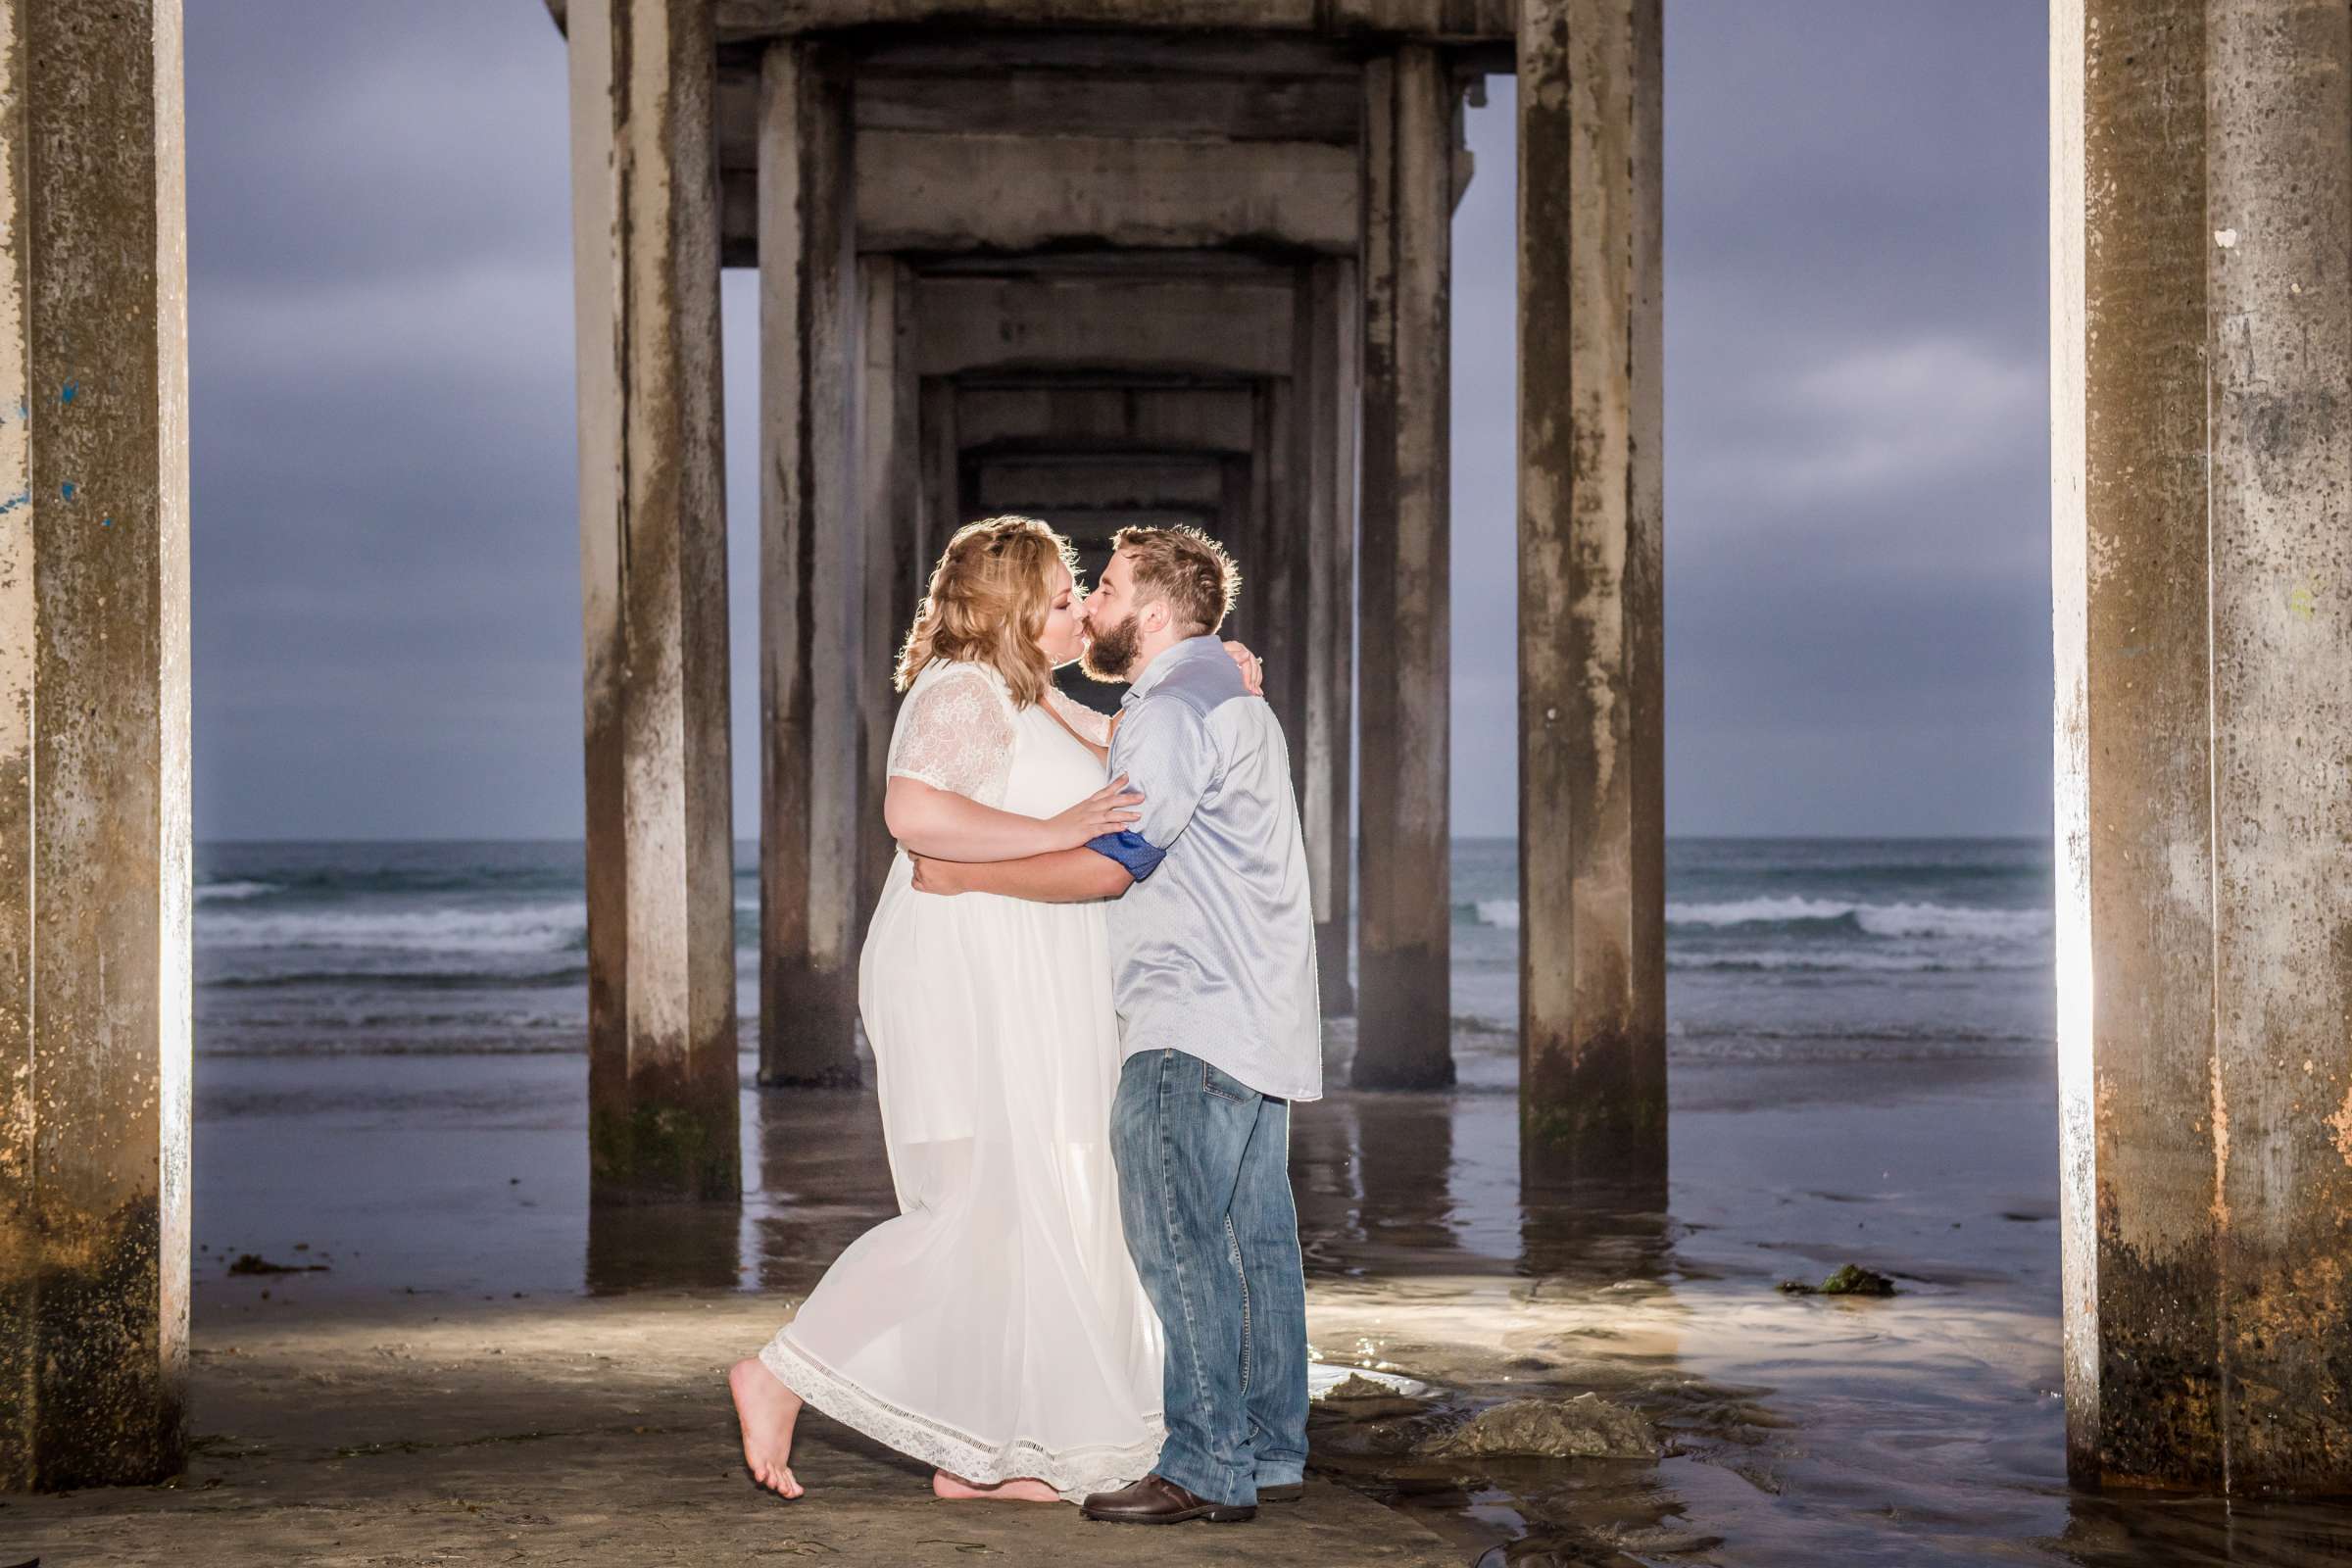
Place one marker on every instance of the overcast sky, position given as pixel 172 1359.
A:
pixel 387 622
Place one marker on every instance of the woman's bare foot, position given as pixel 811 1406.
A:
pixel 767 1411
pixel 1023 1489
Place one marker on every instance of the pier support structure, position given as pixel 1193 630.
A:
pixel 2201 347
pixel 661 1083
pixel 1405 1034
pixel 1030 269
pixel 95 989
pixel 1020 260
pixel 812 560
pixel 1592 677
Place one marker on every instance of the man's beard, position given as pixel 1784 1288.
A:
pixel 1110 655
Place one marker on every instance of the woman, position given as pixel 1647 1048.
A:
pixel 996 1328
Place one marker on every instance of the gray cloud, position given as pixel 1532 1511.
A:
pixel 386 568
pixel 1856 446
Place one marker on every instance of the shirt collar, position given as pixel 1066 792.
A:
pixel 1167 660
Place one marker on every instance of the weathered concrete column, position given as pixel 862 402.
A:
pixel 662 1080
pixel 1405 939
pixel 890 522
pixel 1273 603
pixel 95 999
pixel 1592 686
pixel 2201 347
pixel 941 459
pixel 811 587
pixel 1330 403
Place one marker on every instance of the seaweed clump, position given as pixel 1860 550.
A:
pixel 1851 1280
pixel 255 1263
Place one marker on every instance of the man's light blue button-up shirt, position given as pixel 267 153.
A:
pixel 1214 947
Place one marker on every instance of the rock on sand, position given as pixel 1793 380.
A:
pixel 1586 1427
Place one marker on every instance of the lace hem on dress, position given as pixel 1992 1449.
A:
pixel 1071 1472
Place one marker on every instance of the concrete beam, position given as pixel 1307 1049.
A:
pixel 1182 87
pixel 1443 20
pixel 918 191
pixel 1168 55
pixel 1068 415
pixel 2201 311
pixel 1404 937
pixel 653 542
pixel 1092 530
pixel 1083 481
pixel 1591 679
pixel 1228 326
pixel 95 1002
pixel 811 575
pixel 1138 95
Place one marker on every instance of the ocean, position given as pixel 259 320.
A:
pixel 1777 948
pixel 1860 1030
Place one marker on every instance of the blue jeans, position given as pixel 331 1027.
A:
pixel 1204 1194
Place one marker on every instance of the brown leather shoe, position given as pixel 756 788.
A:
pixel 1290 1494
pixel 1157 1501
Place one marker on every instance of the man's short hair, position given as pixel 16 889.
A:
pixel 1187 569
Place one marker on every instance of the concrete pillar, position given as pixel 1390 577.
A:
pixel 2201 346
pixel 1238 506
pixel 1592 687
pixel 95 999
pixel 661 1079
pixel 1405 939
pixel 889 512
pixel 1273 606
pixel 1330 403
pixel 943 508
pixel 811 586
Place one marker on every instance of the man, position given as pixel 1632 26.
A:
pixel 1212 941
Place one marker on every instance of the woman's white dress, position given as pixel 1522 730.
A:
pixel 996 1328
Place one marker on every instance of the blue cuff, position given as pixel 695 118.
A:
pixel 1132 851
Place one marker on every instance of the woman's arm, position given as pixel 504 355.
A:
pixel 948 826
pixel 1092 729
pixel 1071 877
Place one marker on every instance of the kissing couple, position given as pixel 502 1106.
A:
pixel 1091 1005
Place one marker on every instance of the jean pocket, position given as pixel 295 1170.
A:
pixel 1226 1087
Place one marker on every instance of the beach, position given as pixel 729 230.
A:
pixel 464 1336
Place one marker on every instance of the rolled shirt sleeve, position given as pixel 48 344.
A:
pixel 1163 747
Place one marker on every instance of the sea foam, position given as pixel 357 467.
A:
pixel 551 927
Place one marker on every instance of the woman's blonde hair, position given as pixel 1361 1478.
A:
pixel 989 595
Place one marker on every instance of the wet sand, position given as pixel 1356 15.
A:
pixel 569 1430
pixel 484 1361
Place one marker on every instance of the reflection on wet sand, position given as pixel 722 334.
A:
pixel 818 1178
pixel 1424 1258
pixel 693 1246
pixel 1920 1429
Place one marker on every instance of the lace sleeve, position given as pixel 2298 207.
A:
pixel 1092 728
pixel 955 732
